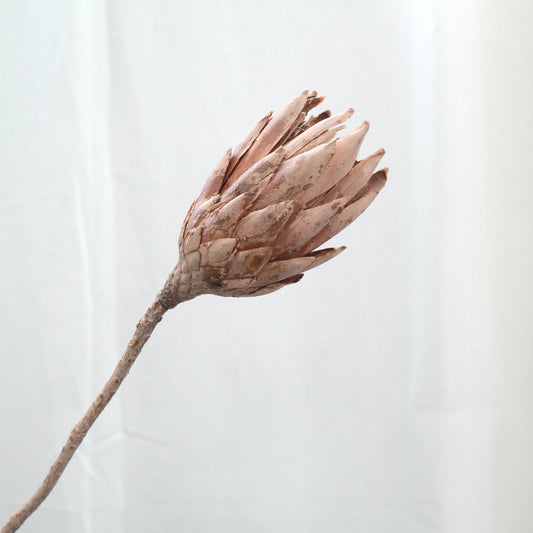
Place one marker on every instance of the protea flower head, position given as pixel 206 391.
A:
pixel 268 205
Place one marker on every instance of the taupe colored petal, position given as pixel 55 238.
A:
pixel 293 130
pixel 376 182
pixel 306 224
pixel 192 260
pixel 222 222
pixel 321 256
pixel 263 226
pixel 249 262
pixel 192 242
pixel 245 144
pixel 270 135
pixel 216 179
pixel 350 213
pixel 185 224
pixel 216 253
pixel 346 152
pixel 252 180
pixel 346 149
pixel 275 286
pixel 279 270
pixel 236 284
pixel 296 174
pixel 355 180
pixel 201 210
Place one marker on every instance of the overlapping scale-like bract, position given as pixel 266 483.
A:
pixel 284 191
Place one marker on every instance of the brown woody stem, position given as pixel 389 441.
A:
pixel 144 329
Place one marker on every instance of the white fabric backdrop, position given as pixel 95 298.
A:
pixel 390 390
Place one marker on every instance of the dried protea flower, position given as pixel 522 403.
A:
pixel 284 191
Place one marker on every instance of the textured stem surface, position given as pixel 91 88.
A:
pixel 142 333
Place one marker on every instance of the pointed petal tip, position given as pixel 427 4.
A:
pixel 292 279
pixel 373 159
pixel 324 255
pixel 340 127
pixel 338 250
pixel 378 180
pixel 301 98
pixel 343 117
pixel 359 132
pixel 362 129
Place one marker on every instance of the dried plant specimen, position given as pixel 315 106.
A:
pixel 268 205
